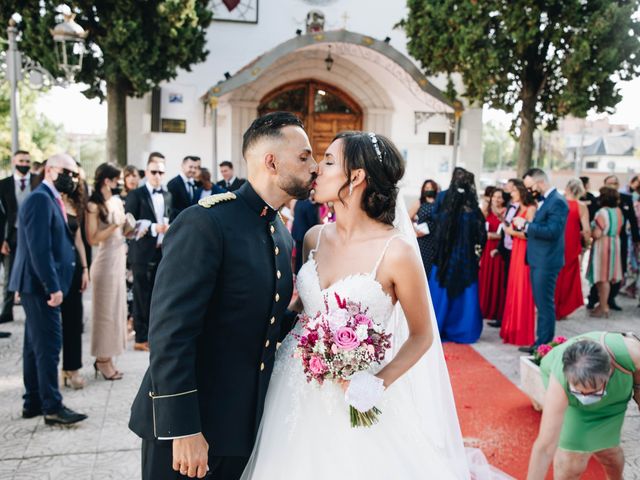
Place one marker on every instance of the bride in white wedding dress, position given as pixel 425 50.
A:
pixel 369 256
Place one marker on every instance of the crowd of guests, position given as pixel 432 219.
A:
pixel 518 250
pixel 110 231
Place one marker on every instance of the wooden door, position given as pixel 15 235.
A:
pixel 324 109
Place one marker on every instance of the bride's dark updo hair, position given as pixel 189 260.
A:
pixel 384 169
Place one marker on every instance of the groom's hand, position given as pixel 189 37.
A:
pixel 191 455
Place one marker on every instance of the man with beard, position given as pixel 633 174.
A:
pixel 545 250
pixel 218 311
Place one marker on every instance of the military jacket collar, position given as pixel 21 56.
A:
pixel 256 203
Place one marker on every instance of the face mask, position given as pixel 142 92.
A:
pixel 116 191
pixel 430 193
pixel 23 169
pixel 588 399
pixel 64 183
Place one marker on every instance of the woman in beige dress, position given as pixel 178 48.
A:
pixel 105 218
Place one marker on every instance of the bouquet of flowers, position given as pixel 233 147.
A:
pixel 337 343
pixel 544 349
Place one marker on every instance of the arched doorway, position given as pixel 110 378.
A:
pixel 324 109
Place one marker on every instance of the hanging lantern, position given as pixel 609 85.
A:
pixel 69 38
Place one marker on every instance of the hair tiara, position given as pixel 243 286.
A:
pixel 376 147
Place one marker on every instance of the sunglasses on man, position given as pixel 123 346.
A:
pixel 156 172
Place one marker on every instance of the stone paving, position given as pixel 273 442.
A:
pixel 102 447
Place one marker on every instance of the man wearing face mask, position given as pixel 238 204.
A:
pixel 42 275
pixel 545 250
pixel 13 192
pixel 590 380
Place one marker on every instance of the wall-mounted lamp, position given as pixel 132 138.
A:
pixel 329 60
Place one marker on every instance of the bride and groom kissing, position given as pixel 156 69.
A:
pixel 224 396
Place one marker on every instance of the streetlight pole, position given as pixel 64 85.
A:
pixel 13 71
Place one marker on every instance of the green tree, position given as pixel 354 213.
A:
pixel 539 59
pixel 131 47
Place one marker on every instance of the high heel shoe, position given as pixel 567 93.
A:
pixel 116 375
pixel 72 379
pixel 598 313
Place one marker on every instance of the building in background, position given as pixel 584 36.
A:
pixel 337 64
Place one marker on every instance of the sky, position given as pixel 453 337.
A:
pixel 80 115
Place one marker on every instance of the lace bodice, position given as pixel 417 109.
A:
pixel 361 287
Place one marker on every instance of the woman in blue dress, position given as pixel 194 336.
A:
pixel 461 236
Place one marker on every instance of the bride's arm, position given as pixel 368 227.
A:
pixel 410 288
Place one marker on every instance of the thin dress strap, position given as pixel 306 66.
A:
pixel 312 253
pixel 374 272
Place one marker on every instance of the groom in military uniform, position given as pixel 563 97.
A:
pixel 218 311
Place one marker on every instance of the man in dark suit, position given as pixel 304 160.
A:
pixel 183 188
pixel 229 180
pixel 42 274
pixel 630 220
pixel 589 199
pixel 545 249
pixel 153 204
pixel 13 192
pixel 305 216
pixel 218 312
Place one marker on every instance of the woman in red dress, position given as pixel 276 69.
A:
pixel 569 295
pixel 491 277
pixel 518 320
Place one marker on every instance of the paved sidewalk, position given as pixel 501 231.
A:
pixel 103 448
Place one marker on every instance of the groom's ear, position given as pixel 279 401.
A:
pixel 270 162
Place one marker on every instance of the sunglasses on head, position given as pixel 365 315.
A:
pixel 156 172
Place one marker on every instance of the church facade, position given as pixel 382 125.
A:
pixel 338 64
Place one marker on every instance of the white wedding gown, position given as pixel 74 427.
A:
pixel 306 432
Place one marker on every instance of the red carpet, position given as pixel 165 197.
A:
pixel 495 415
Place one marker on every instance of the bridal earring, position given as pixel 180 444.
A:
pixel 350 188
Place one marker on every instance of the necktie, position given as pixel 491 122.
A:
pixel 62 208
pixel 190 190
pixel 23 184
pixel 157 190
pixel 228 184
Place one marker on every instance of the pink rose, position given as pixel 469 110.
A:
pixel 560 339
pixel 544 349
pixel 317 365
pixel 346 338
pixel 363 320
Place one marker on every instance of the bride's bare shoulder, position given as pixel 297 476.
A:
pixel 311 237
pixel 401 251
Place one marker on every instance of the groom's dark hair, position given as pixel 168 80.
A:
pixel 268 125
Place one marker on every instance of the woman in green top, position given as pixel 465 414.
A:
pixel 589 379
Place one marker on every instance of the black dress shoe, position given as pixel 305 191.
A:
pixel 5 319
pixel 615 306
pixel 494 323
pixel 31 412
pixel 527 349
pixel 64 416
pixel 5 334
pixel 590 306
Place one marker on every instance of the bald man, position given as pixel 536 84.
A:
pixel 42 273
pixel 218 311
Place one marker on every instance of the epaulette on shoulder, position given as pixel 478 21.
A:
pixel 212 200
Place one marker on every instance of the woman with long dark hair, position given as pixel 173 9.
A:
pixel 421 213
pixel 518 320
pixel 492 281
pixel 71 309
pixel 105 218
pixel 454 276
